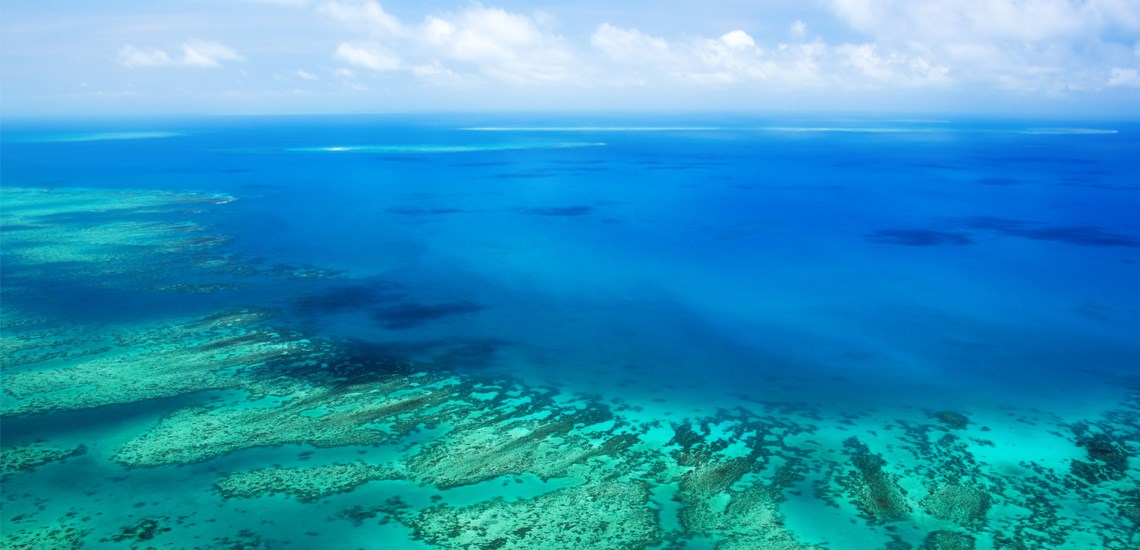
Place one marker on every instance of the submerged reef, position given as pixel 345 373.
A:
pixel 25 458
pixel 217 398
pixel 876 492
pixel 306 484
pixel 591 516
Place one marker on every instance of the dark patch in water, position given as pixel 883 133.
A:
pixel 426 211
pixel 1095 311
pixel 469 354
pixel 919 237
pixel 998 181
pixel 207 170
pixel 1085 235
pixel 1043 160
pixel 562 211
pixel 414 314
pixel 580 162
pixel 367 361
pixel 1089 184
pixel 347 298
pixel 533 174
pixel 481 164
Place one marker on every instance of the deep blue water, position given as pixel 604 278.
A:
pixel 697 261
pixel 951 254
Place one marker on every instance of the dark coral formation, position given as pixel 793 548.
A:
pixel 596 515
pixel 949 540
pixel 141 531
pixel 961 504
pixel 875 491
pixel 26 458
pixel 1107 457
pixel 952 419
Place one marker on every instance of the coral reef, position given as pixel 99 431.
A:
pixel 952 419
pixel 619 477
pixel 948 540
pixel 306 484
pixel 63 535
pixel 874 491
pixel 25 458
pixel 960 504
pixel 216 352
pixel 593 516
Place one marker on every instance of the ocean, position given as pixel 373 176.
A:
pixel 580 331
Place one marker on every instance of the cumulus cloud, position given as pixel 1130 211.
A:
pixel 207 54
pixel 629 45
pixel 1124 77
pixel 504 45
pixel 1023 20
pixel 296 3
pixel 1027 46
pixel 737 58
pixel 496 43
pixel 367 57
pixel 893 68
pixel 130 56
pixel 194 54
pixel 367 15
pixel 798 29
pixel 1044 46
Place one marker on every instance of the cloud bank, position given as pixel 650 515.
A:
pixel 841 54
pixel 1031 46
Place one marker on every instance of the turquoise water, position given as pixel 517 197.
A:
pixel 765 333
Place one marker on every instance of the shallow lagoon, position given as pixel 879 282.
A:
pixel 470 333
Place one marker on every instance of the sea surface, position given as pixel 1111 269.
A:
pixel 587 331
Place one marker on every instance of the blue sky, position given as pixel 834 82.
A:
pixel 1018 57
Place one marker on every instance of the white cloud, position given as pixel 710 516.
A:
pixel 798 29
pixel 207 54
pixel 495 43
pixel 194 54
pixel 433 72
pixel 1021 20
pixel 731 58
pixel 130 56
pixel 366 15
pixel 1124 77
pixel 507 46
pixel 1050 47
pixel 1029 46
pixel 367 57
pixel 305 75
pixel 296 3
pixel 629 45
pixel 892 68
pixel 738 40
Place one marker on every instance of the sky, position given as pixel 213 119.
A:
pixel 1062 58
